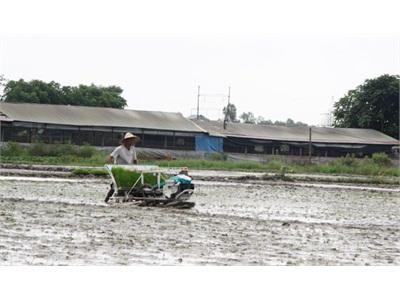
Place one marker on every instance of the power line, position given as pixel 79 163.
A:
pixel 210 95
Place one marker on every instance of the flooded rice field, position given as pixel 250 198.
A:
pixel 56 221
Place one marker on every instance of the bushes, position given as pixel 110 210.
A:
pixel 348 160
pixel 381 159
pixel 217 156
pixel 87 155
pixel 40 149
pixel 66 149
pixel 52 154
pixel 342 165
pixel 86 151
pixel 275 165
pixel 12 149
pixel 377 166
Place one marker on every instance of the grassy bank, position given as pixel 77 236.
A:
pixel 62 154
pixel 378 165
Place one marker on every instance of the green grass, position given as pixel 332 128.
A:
pixel 85 171
pixel 350 165
pixel 337 166
pixel 219 165
pixel 378 165
pixel 96 160
pixel 59 154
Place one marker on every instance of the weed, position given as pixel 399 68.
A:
pixel 381 159
pixel 12 149
pixel 87 151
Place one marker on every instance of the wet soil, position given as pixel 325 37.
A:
pixel 65 222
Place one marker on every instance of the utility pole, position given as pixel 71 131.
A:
pixel 227 108
pixel 209 95
pixel 198 102
pixel 331 107
pixel 309 146
pixel 229 95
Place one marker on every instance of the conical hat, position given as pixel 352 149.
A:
pixel 129 135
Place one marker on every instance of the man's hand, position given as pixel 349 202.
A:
pixel 110 159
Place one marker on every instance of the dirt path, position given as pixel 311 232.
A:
pixel 65 222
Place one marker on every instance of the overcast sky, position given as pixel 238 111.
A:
pixel 277 78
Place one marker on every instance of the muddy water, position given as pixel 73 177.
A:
pixel 65 222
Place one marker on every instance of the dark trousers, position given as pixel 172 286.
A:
pixel 110 193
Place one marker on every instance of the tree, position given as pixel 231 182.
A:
pixel 374 104
pixel 265 122
pixel 300 124
pixel 230 112
pixel 3 82
pixel 290 123
pixel 37 91
pixel 260 120
pixel 248 118
pixel 280 123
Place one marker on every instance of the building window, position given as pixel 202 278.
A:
pixel 180 141
pixel 6 133
pixel 21 135
pixel 284 149
pixel 42 136
pixel 98 139
pixel 108 139
pixel 259 148
pixel 117 137
pixel 67 137
pixel 87 137
pixel 55 136
pixel 153 141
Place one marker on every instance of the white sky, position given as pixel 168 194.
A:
pixel 277 78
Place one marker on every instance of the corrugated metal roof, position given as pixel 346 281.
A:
pixel 97 116
pixel 297 134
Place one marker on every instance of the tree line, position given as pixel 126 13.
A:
pixel 37 91
pixel 373 104
pixel 230 113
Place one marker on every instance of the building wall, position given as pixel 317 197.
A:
pixel 34 133
pixel 252 146
pixel 158 139
pixel 206 143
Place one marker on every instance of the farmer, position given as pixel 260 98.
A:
pixel 185 171
pixel 125 154
pixel 182 177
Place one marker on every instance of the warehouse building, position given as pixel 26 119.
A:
pixel 98 126
pixel 269 139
